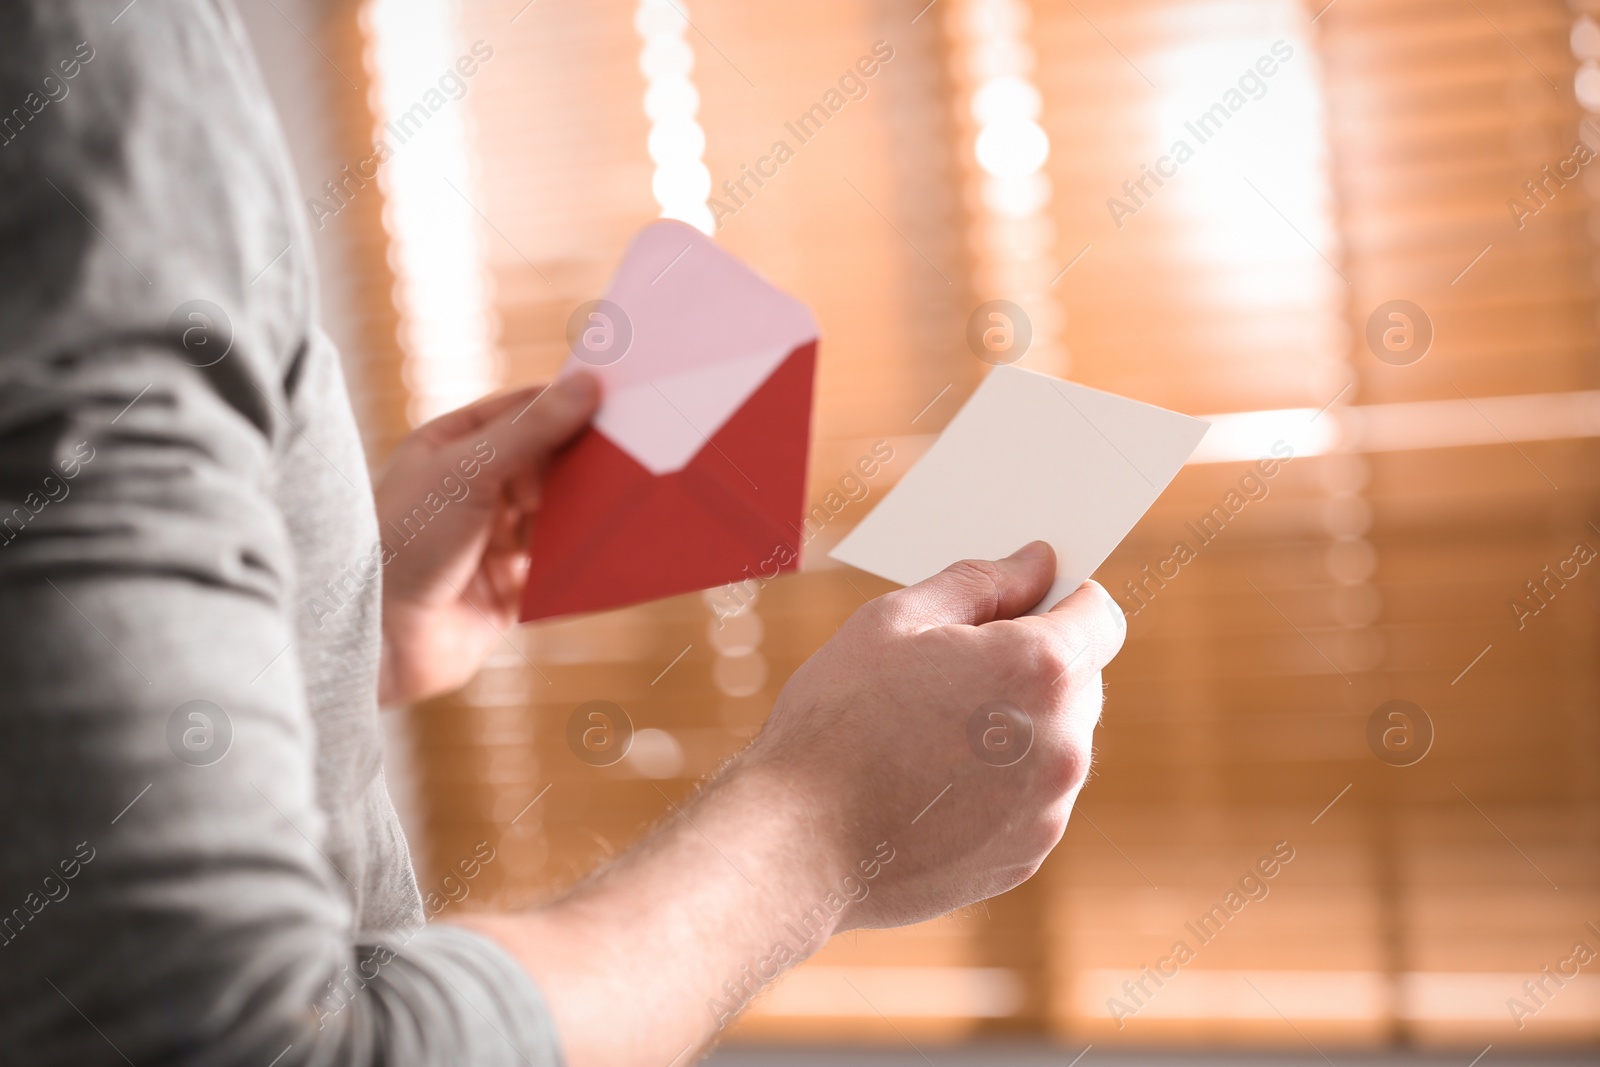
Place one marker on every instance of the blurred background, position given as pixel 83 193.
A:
pixel 1361 236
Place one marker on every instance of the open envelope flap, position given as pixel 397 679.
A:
pixel 1028 456
pixel 707 331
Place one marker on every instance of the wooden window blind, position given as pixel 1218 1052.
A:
pixel 1336 159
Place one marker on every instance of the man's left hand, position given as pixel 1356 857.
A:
pixel 454 506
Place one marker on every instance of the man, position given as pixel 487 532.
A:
pixel 201 861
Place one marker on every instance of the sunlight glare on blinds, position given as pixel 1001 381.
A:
pixel 440 285
pixel 682 181
pixel 1335 158
pixel 1015 237
pixel 1248 159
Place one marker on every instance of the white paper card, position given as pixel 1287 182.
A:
pixel 1029 457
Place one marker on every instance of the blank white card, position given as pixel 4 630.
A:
pixel 1029 457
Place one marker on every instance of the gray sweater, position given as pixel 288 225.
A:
pixel 200 863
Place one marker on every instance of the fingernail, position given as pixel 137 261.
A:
pixel 1032 550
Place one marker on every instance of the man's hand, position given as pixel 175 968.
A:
pixel 453 510
pixel 940 724
pixel 882 792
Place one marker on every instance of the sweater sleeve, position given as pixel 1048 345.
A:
pixel 166 888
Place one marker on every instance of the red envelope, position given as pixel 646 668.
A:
pixel 693 473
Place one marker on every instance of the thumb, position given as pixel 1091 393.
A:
pixel 975 591
pixel 524 437
pixel 1088 625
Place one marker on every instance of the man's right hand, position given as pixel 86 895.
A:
pixel 895 735
pixel 912 726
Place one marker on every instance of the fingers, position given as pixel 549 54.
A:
pixel 462 421
pixel 522 436
pixel 973 592
pixel 1087 629
pixel 505 562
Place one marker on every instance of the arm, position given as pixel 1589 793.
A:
pixel 449 598
pixel 651 958
pixel 153 909
pixel 816 828
pixel 862 804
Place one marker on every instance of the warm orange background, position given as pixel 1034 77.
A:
pixel 1380 564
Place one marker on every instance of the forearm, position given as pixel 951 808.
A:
pixel 645 963
pixel 679 934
